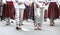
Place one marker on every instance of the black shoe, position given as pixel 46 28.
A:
pixel 18 28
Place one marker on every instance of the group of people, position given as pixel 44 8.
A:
pixel 37 10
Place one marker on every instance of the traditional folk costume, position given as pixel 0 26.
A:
pixel 46 10
pixel 38 11
pixel 53 11
pixel 19 10
pixel 8 11
pixel 32 11
pixel 1 8
pixel 27 13
pixel 59 7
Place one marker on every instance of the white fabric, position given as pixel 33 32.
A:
pixel 16 4
pixel 27 2
pixel 4 1
pixel 39 16
pixel 19 15
pixel 59 2
pixel 46 7
pixel 40 4
pixel 37 13
pixel 52 0
pixel 19 6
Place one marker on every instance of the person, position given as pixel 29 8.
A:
pixel 46 10
pixel 8 11
pixel 59 7
pixel 19 10
pixel 38 12
pixel 32 11
pixel 1 9
pixel 27 13
pixel 53 12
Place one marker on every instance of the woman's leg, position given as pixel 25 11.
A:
pixel 38 18
pixel 21 16
pixel 18 26
pixel 37 23
pixel 7 20
pixel 51 22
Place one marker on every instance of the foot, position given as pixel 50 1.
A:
pixel 45 20
pixel 39 28
pixel 12 22
pixel 7 23
pixel 51 23
pixel 35 28
pixel 27 20
pixel 18 27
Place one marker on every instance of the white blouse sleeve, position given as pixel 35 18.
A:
pixel 4 1
pixel 57 3
pixel 21 1
pixel 14 0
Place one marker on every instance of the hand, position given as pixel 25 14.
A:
pixel 37 5
pixel 19 3
pixel 46 3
